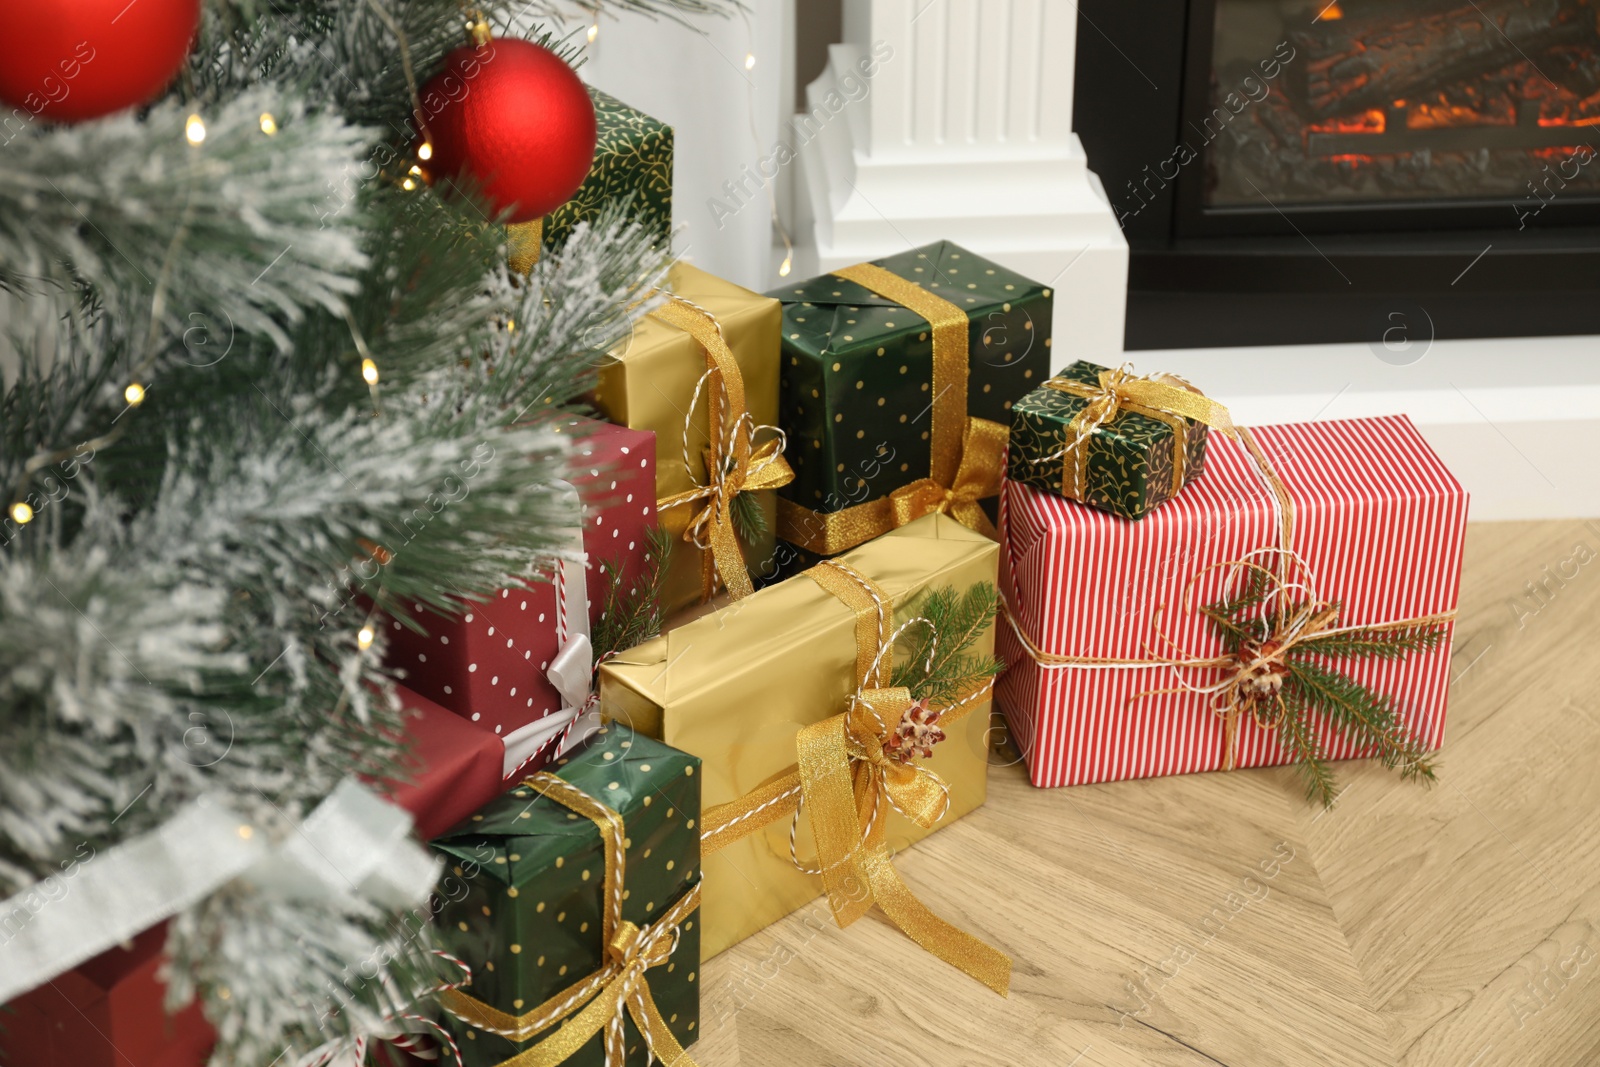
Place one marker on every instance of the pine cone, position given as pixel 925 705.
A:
pixel 916 734
pixel 1262 667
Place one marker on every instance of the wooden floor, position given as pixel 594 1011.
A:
pixel 1220 919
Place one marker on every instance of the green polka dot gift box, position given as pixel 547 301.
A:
pixel 898 379
pixel 575 894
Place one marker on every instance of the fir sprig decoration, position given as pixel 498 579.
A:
pixel 632 615
pixel 749 520
pixel 935 661
pixel 1283 678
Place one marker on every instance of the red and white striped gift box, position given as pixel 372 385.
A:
pixel 1378 520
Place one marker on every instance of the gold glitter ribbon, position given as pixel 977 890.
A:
pixel 1289 627
pixel 619 986
pixel 846 780
pixel 734 463
pixel 1166 398
pixel 966 455
pixel 524 243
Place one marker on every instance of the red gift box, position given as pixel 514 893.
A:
pixel 1377 520
pixel 489 665
pixel 454 767
pixel 105 1013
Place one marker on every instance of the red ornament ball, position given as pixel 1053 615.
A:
pixel 70 60
pixel 516 119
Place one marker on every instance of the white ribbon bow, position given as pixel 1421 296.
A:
pixel 572 669
pixel 354 848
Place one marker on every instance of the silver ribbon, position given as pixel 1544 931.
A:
pixel 355 847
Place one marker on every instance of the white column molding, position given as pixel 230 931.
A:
pixel 966 136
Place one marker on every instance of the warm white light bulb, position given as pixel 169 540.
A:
pixel 749 61
pixel 786 266
pixel 425 151
pixel 195 129
pixel 269 125
pixel 364 638
pixel 408 185
pixel 134 394
pixel 594 31
pixel 369 371
pixel 22 513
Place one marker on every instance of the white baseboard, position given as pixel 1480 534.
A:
pixel 1516 419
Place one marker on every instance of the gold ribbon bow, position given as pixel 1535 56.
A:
pixel 619 987
pixel 914 791
pixel 1248 683
pixel 1164 397
pixel 734 463
pixel 846 778
pixel 966 454
pixel 982 463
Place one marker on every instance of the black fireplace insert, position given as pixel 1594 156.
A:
pixel 1304 170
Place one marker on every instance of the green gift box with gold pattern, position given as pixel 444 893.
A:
pixel 633 159
pixel 1112 440
pixel 898 379
pixel 579 887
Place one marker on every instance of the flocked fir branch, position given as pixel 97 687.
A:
pixel 243 216
pixel 184 614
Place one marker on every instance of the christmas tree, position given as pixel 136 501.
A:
pixel 264 385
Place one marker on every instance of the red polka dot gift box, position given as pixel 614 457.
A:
pixel 493 663
pixel 450 769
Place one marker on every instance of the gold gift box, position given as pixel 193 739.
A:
pixel 734 687
pixel 649 383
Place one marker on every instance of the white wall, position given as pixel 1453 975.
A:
pixel 725 118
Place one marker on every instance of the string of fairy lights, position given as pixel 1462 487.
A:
pixel 134 393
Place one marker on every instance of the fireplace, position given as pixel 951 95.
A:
pixel 1300 170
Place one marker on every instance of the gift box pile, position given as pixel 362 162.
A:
pixel 926 452
pixel 836 466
